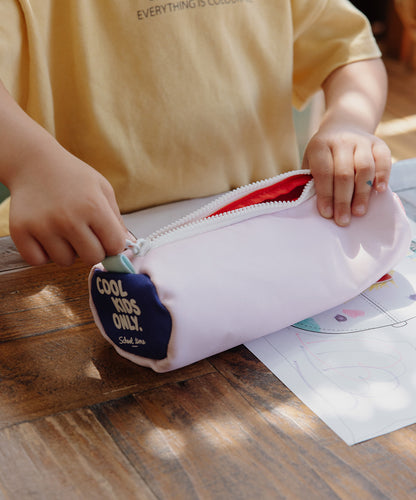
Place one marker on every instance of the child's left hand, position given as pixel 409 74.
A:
pixel 346 165
pixel 346 160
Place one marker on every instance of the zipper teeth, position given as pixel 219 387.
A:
pixel 201 217
pixel 213 220
pixel 222 200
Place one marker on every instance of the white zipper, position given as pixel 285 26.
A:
pixel 201 219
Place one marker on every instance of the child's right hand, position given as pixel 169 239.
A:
pixel 62 208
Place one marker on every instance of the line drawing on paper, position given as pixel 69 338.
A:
pixel 355 365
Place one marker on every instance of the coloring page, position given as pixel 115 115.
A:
pixel 354 365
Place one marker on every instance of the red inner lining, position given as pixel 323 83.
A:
pixel 288 189
pixel 386 277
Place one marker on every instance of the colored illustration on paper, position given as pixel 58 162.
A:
pixel 389 302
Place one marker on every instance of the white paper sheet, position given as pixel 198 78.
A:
pixel 355 365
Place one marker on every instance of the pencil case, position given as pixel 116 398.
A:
pixel 253 261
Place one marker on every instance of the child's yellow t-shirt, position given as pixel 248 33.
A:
pixel 175 99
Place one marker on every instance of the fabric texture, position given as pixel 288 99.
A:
pixel 178 99
pixel 243 275
pixel 4 217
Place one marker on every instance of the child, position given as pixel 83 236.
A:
pixel 109 106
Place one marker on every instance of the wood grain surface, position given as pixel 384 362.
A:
pixel 77 421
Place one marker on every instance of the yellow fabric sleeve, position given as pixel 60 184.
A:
pixel 334 33
pixel 4 217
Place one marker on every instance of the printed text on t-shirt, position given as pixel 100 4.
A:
pixel 168 7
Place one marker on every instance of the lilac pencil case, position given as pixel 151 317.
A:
pixel 253 261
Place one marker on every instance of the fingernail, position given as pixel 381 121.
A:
pixel 344 220
pixel 359 210
pixel 381 187
pixel 327 212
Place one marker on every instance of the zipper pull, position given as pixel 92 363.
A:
pixel 121 263
pixel 138 247
pixel 118 264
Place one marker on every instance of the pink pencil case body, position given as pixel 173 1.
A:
pixel 253 261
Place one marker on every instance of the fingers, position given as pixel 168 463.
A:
pixel 344 183
pixel 382 158
pixel 65 236
pixel 110 235
pixel 58 250
pixel 345 171
pixel 39 248
pixel 114 235
pixel 334 178
pixel 318 159
pixel 29 248
pixel 92 239
pixel 364 166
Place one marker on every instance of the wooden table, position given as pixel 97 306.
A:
pixel 78 421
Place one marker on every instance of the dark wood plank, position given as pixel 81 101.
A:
pixel 70 369
pixel 200 438
pixel 379 468
pixel 38 300
pixel 10 258
pixel 67 456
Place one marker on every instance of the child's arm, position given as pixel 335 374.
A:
pixel 345 158
pixel 60 206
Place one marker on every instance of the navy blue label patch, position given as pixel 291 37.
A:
pixel 131 313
